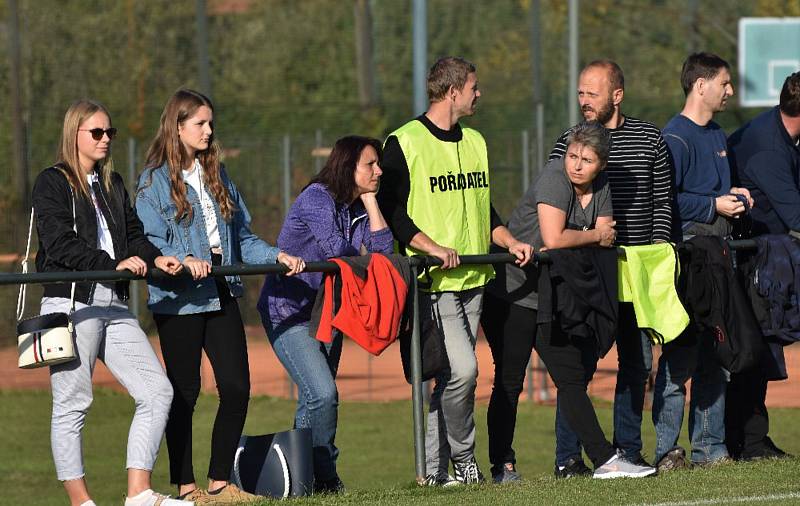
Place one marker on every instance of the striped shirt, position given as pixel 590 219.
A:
pixel 640 176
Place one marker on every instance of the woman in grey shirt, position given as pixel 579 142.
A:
pixel 569 205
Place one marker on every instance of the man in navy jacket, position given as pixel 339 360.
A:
pixel 765 158
pixel 707 204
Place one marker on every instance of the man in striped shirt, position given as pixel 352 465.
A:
pixel 640 176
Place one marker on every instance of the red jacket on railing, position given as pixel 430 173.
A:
pixel 372 301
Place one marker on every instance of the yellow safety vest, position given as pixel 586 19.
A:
pixel 647 277
pixel 449 199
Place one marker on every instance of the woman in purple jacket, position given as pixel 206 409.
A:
pixel 335 215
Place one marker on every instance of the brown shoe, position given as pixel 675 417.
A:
pixel 229 494
pixel 195 495
pixel 673 459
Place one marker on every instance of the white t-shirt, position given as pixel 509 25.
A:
pixel 194 178
pixel 104 240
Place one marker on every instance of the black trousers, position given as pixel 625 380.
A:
pixel 746 416
pixel 572 362
pixel 510 330
pixel 183 338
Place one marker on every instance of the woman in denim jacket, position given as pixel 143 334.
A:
pixel 335 215
pixel 193 211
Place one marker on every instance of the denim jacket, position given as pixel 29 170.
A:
pixel 181 238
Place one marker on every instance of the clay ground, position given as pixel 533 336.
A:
pixel 374 379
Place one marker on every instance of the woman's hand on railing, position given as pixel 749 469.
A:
pixel 170 265
pixel 199 269
pixel 295 264
pixel 134 264
pixel 523 252
pixel 606 235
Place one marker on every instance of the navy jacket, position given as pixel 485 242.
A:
pixel 702 172
pixel 766 161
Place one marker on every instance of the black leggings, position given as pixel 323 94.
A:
pixel 510 330
pixel 183 338
pixel 572 361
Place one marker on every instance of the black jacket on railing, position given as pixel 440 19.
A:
pixel 717 304
pixel 578 293
pixel 60 249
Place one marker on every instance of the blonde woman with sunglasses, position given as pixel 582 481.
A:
pixel 85 222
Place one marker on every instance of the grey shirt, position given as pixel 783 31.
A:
pixel 552 187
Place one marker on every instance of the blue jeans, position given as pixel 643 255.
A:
pixel 679 361
pixel 635 357
pixel 312 365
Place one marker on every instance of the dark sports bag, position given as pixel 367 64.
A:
pixel 275 465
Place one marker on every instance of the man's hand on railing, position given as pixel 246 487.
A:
pixel 448 256
pixel 170 265
pixel 134 264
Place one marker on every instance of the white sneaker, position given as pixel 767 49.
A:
pixel 618 467
pixel 150 498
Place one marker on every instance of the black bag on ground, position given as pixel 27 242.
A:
pixel 275 465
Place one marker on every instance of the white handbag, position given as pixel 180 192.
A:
pixel 46 339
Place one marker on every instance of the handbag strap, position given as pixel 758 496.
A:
pixel 23 287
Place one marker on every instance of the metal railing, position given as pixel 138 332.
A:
pixel 417 263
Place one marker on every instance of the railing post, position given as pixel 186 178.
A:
pixel 134 294
pixel 286 191
pixel 416 381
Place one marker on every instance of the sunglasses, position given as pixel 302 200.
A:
pixel 97 133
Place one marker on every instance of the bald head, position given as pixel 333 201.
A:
pixel 600 92
pixel 613 72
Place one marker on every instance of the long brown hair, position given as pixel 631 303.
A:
pixel 67 155
pixel 168 149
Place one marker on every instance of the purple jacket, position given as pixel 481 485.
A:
pixel 316 229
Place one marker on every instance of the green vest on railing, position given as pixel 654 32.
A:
pixel 449 199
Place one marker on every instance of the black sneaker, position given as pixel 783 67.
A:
pixel 573 467
pixel 673 459
pixel 332 486
pixel 440 479
pixel 468 472
pixel 777 452
pixel 768 450
pixel 507 474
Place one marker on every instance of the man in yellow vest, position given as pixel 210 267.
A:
pixel 435 194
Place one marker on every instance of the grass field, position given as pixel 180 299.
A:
pixel 376 460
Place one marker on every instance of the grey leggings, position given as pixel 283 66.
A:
pixel 105 329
